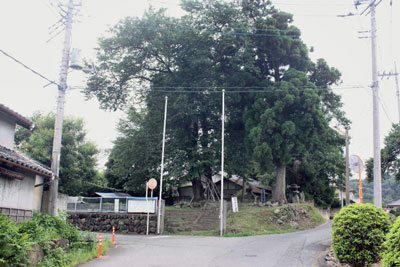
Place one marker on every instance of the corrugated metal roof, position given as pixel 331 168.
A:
pixel 112 195
pixel 22 160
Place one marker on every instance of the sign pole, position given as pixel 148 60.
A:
pixel 360 184
pixel 148 214
pixel 152 183
pixel 357 165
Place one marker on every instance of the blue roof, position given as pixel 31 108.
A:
pixel 112 195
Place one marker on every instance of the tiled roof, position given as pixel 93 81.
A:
pixel 394 203
pixel 21 120
pixel 21 160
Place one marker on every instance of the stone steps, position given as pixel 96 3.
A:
pixel 192 220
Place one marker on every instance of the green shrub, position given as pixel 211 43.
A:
pixel 13 245
pixel 43 229
pixel 358 232
pixel 391 254
pixel 43 225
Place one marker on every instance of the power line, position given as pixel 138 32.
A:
pixel 384 107
pixel 239 89
pixel 316 3
pixel 212 32
pixel 251 91
pixel 213 26
pixel 25 66
pixel 100 186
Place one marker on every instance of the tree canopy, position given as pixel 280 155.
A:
pixel 390 156
pixel 278 102
pixel 78 156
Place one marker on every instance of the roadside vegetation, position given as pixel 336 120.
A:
pixel 363 234
pixel 255 220
pixel 45 240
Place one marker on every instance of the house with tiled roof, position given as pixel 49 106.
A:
pixel 21 177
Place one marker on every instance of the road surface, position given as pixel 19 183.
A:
pixel 283 250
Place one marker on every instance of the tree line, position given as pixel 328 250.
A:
pixel 278 101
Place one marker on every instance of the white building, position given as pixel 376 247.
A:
pixel 18 173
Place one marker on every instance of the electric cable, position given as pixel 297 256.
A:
pixel 25 66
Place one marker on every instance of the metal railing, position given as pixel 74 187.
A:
pixel 109 205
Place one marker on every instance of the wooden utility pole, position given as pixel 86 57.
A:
pixel 58 125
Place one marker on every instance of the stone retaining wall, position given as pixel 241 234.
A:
pixel 103 222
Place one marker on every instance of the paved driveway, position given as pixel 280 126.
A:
pixel 284 250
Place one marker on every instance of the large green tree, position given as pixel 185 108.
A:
pixel 247 47
pixel 78 156
pixel 390 156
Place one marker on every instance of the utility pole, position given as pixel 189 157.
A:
pixel 347 168
pixel 375 102
pixel 58 125
pixel 397 89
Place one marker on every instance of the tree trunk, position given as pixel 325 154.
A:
pixel 198 191
pixel 279 191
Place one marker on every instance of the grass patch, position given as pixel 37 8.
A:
pixel 78 256
pixel 253 220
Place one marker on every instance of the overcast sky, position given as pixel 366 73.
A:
pixel 25 31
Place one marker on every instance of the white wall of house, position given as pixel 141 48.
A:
pixel 17 194
pixel 7 132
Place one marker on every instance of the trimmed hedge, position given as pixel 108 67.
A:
pixel 391 255
pixel 358 232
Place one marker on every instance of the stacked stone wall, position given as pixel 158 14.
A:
pixel 103 222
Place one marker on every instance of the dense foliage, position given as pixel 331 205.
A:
pixel 390 156
pixel 358 232
pixel 390 190
pixel 391 254
pixel 78 156
pixel 13 244
pixel 278 102
pixel 43 229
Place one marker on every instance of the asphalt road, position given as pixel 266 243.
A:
pixel 283 250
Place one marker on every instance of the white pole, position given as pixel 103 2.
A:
pixel 347 183
pixel 397 88
pixel 222 165
pixel 58 124
pixel 147 204
pixel 375 90
pixel 162 166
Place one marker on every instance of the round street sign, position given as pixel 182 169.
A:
pixel 152 183
pixel 355 162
